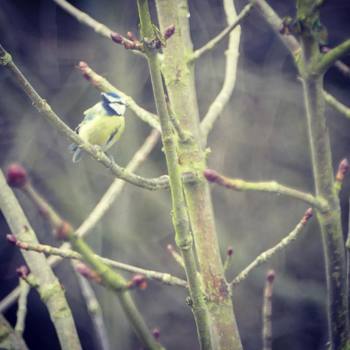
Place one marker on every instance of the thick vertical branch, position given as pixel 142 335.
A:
pixel 330 223
pixel 180 218
pixel 180 84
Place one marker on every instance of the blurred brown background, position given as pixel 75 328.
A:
pixel 260 136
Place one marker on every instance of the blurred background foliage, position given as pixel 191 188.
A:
pixel 261 135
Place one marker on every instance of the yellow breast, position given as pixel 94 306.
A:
pixel 102 131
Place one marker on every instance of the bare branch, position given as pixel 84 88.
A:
pixel 229 259
pixel 267 311
pixel 232 55
pixel 330 57
pixel 98 27
pixel 10 339
pixel 71 254
pixel 268 254
pixel 337 105
pixel 22 306
pixel 95 312
pixel 343 169
pixel 233 23
pixel 49 287
pixel 270 186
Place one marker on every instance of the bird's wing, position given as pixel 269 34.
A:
pixel 115 135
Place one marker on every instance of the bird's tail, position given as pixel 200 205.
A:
pixel 77 152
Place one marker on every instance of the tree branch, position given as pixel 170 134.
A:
pixel 9 339
pixel 22 306
pixel 271 187
pixel 45 110
pixel 232 55
pixel 98 27
pixel 336 104
pixel 233 23
pixel 267 311
pixel 181 224
pixel 49 287
pixel 330 57
pixel 71 254
pixel 275 23
pixel 268 254
pixel 95 312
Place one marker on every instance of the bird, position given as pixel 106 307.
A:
pixel 103 124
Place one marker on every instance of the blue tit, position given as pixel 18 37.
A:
pixel 103 124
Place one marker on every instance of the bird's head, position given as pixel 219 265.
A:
pixel 113 103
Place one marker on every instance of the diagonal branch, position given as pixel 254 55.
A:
pixel 223 34
pixel 71 254
pixel 45 110
pixel 336 104
pixel 275 23
pixel 330 57
pixel 268 254
pixel 270 186
pixel 98 27
pixel 232 55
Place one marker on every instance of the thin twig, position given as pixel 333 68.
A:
pixel 268 254
pixel 232 55
pixel 45 110
pixel 216 40
pixel 98 27
pixel 176 256
pixel 267 311
pixel 341 66
pixel 343 169
pixel 103 85
pixel 330 57
pixel 95 312
pixel 336 104
pixel 229 259
pixel 270 186
pixel 22 306
pixel 71 254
